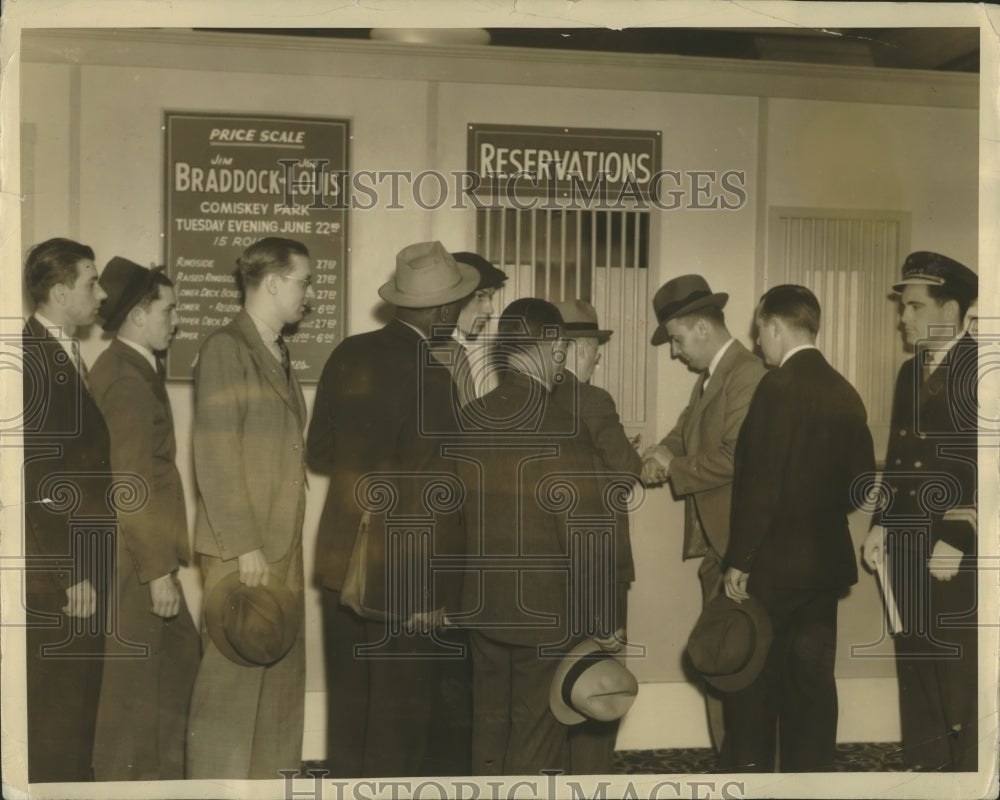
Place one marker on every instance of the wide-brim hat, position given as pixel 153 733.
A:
pixel 680 296
pixel 933 269
pixel 490 277
pixel 580 321
pixel 427 276
pixel 729 643
pixel 590 683
pixel 125 283
pixel 252 626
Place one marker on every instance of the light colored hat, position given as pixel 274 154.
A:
pixel 427 276
pixel 580 320
pixel 591 683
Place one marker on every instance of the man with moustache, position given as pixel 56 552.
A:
pixel 924 540
pixel 142 714
pixel 66 456
pixel 246 720
pixel 697 455
pixel 397 693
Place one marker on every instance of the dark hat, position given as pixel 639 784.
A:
pixel 680 296
pixel 489 276
pixel 729 643
pixel 590 683
pixel 125 283
pixel 933 269
pixel 530 318
pixel 427 276
pixel 580 320
pixel 251 626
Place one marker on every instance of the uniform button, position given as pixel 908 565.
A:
pixel 295 447
pixel 899 461
pixel 895 489
pixel 913 492
pixel 902 432
pixel 918 464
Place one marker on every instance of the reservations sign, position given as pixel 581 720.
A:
pixel 232 180
pixel 553 162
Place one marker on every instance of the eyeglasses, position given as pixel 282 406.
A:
pixel 307 281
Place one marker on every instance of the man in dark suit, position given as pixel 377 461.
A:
pixel 249 414
pixel 142 714
pixel 928 546
pixel 531 592
pixel 697 455
pixel 592 742
pixel 804 443
pixel 66 476
pixel 397 695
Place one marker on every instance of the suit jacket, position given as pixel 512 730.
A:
pixel 520 588
pixel 595 408
pixel 702 444
pixel 248 450
pixel 64 432
pixel 384 404
pixel 803 444
pixel 134 402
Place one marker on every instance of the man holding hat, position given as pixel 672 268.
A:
pixel 803 450
pixel 398 695
pixel 142 714
pixel 927 547
pixel 246 716
pixel 697 455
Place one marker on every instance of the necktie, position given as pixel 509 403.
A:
pixel 81 366
pixel 286 361
pixel 161 370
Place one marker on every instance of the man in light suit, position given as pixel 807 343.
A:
pixel 398 700
pixel 930 549
pixel 247 721
pixel 473 369
pixel 697 455
pixel 802 451
pixel 142 714
pixel 66 457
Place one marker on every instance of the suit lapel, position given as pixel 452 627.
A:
pixel 268 365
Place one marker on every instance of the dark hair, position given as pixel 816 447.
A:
pixel 795 305
pixel 157 278
pixel 53 262
pixel 711 314
pixel 952 290
pixel 270 255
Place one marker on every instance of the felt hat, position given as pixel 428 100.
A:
pixel 729 643
pixel 490 277
pixel 933 269
pixel 680 296
pixel 530 318
pixel 580 320
pixel 125 283
pixel 252 626
pixel 427 276
pixel 590 683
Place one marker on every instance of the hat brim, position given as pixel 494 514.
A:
pixel 660 335
pixel 215 616
pixel 916 281
pixel 736 681
pixel 601 336
pixel 466 286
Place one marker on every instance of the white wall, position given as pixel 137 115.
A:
pixel 95 169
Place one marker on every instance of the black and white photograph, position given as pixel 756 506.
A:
pixel 498 400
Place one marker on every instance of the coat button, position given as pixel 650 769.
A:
pixel 913 492
pixel 899 461
pixel 902 432
pixel 918 464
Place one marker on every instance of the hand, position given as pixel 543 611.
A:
pixel 612 643
pixel 944 561
pixel 81 600
pixel 653 473
pixel 166 596
pixel 253 568
pixel 873 548
pixel 736 584
pixel 425 621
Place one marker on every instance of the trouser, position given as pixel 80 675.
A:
pixel 795 695
pixel 710 575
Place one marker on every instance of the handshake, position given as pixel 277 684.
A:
pixel 655 466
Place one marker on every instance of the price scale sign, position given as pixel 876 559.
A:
pixel 233 180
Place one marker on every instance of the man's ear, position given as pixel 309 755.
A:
pixel 137 315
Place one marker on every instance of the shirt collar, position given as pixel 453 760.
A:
pixel 68 343
pixel 145 352
pixel 934 354
pixel 795 350
pixel 718 357
pixel 414 327
pixel 267 333
pixel 56 330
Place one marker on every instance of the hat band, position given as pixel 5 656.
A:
pixel 670 308
pixel 573 674
pixel 937 280
pixel 580 326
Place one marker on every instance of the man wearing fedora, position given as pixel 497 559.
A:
pixel 246 719
pixel 802 450
pixel 929 550
pixel 142 714
pixel 398 699
pixel 593 741
pixel 697 455
pixel 473 369
pixel 67 455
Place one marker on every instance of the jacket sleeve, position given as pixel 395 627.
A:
pixel 608 434
pixel 220 408
pixel 712 465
